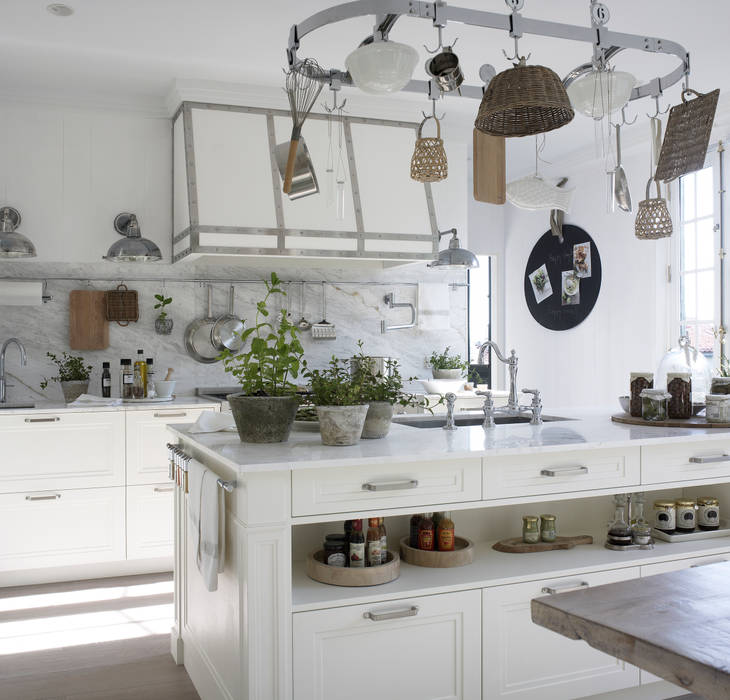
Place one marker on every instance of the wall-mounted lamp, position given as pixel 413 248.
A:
pixel 12 243
pixel 454 257
pixel 132 248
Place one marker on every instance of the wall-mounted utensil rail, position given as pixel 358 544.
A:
pixel 178 463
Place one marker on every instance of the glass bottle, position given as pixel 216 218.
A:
pixel 425 533
pixel 445 534
pixel 372 543
pixel 548 531
pixel 106 380
pixel 619 532
pixel 436 518
pixel 413 532
pixel 383 541
pixel 126 379
pixel 357 546
pixel 150 377
pixel 638 501
pixel 530 529
pixel 140 366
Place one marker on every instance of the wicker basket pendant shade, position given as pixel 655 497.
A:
pixel 523 101
pixel 429 163
pixel 653 219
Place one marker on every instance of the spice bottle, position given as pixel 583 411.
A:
pixel 679 386
pixel 383 541
pixel 425 533
pixel 150 377
pixel 106 380
pixel 126 379
pixel 639 382
pixel 548 531
pixel 372 543
pixel 530 529
pixel 445 534
pixel 140 366
pixel 357 545
pixel 436 519
pixel 413 533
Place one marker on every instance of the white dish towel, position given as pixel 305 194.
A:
pixel 206 511
pixel 91 400
pixel 434 308
pixel 212 422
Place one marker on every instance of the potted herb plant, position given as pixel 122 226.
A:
pixel 264 410
pixel 163 324
pixel 447 366
pixel 73 375
pixel 341 409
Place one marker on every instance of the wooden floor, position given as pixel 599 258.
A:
pixel 106 639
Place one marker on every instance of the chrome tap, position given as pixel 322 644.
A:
pixel 511 362
pixel 535 406
pixel 450 401
pixel 488 409
pixel 23 361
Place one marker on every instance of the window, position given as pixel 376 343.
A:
pixel 480 312
pixel 698 264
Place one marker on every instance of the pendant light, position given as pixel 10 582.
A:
pixel 381 67
pixel 599 93
pixel 12 243
pixel 454 257
pixel 132 248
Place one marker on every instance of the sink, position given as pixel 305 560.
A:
pixel 425 421
pixel 20 404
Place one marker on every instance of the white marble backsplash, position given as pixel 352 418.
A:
pixel 355 309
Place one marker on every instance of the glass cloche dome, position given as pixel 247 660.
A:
pixel 686 358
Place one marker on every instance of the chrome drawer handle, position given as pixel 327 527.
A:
pixel 707 563
pixel 48 497
pixel 393 615
pixel 181 414
pixel 390 485
pixel 709 460
pixel 157 489
pixel 563 471
pixel 552 590
pixel 54 419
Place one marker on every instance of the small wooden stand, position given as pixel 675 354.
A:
pixel 694 422
pixel 346 576
pixel 517 546
pixel 462 555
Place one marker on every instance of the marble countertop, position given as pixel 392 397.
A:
pixel 304 449
pixel 58 406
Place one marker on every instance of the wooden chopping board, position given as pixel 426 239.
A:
pixel 517 546
pixel 490 168
pixel 88 328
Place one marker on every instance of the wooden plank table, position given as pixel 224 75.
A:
pixel 675 625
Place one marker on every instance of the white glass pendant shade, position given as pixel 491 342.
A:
pixel 598 93
pixel 382 66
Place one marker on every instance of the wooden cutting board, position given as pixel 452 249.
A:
pixel 490 168
pixel 517 546
pixel 88 328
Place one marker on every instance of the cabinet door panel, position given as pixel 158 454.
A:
pixel 339 653
pixel 527 662
pixel 684 461
pixel 150 525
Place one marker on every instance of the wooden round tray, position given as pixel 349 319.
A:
pixel 694 422
pixel 462 555
pixel 346 576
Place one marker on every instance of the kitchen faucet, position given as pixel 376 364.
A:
pixel 23 361
pixel 511 362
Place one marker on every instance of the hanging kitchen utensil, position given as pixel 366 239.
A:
pixel 687 135
pixel 303 85
pixel 197 336
pixel 653 219
pixel 302 323
pixel 444 67
pixel 304 179
pixel 429 162
pixel 324 330
pixel 122 305
pixel 490 168
pixel 88 328
pixel 226 331
pixel 557 216
pixel 621 191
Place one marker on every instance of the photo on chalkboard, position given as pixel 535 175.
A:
pixel 582 259
pixel 541 284
pixel 571 288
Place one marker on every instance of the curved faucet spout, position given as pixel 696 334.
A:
pixel 511 362
pixel 23 361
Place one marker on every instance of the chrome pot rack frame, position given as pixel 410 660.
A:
pixel 606 43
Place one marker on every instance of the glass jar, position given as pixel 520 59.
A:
pixel 679 387
pixel 720 385
pixel 686 358
pixel 334 550
pixel 641 534
pixel 548 532
pixel 708 513
pixel 717 408
pixel 665 516
pixel 686 514
pixel 654 404
pixel 530 529
pixel 638 382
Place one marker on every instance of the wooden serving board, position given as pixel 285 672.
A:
pixel 694 422
pixel 88 328
pixel 490 170
pixel 462 555
pixel 517 546
pixel 346 576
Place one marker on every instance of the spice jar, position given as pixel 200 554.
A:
pixel 665 516
pixel 717 408
pixel 638 382
pixel 679 386
pixel 686 508
pixel 708 513
pixel 334 550
pixel 548 533
pixel 654 404
pixel 530 529
pixel 720 385
pixel 641 534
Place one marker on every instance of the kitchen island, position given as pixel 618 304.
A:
pixel 269 631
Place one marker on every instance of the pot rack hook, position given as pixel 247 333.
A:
pixel 517 56
pixel 624 121
pixel 433 111
pixel 657 112
pixel 441 42
pixel 335 106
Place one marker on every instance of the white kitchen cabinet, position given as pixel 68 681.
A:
pixel 412 649
pixel 63 450
pixel 61 528
pixel 524 661
pixel 150 521
pixel 685 461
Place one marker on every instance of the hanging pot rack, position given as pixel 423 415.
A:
pixel 606 43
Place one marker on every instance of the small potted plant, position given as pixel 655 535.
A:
pixel 163 324
pixel 73 375
pixel 265 408
pixel 446 366
pixel 341 409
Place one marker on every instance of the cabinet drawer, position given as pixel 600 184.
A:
pixel 413 649
pixel 146 440
pixel 337 490
pixel 64 450
pixel 685 461
pixel 150 523
pixel 558 472
pixel 60 528
pixel 524 661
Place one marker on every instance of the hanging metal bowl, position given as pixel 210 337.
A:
pixel 444 68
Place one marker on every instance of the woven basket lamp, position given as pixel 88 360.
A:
pixel 523 101
pixel 428 162
pixel 653 220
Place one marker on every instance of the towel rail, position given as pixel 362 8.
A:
pixel 178 462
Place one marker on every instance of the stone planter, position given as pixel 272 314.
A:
pixel 447 373
pixel 341 425
pixel 163 326
pixel 263 418
pixel 72 390
pixel 378 419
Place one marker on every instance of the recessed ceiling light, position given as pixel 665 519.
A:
pixel 60 10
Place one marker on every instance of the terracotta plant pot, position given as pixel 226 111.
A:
pixel 341 425
pixel 263 418
pixel 72 390
pixel 447 373
pixel 378 419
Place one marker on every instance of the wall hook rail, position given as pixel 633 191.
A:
pixel 392 304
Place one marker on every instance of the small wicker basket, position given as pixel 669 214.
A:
pixel 122 305
pixel 429 162
pixel 653 220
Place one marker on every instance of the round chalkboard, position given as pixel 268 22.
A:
pixel 563 280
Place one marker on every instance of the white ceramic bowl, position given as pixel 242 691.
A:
pixel 442 386
pixel 164 389
pixel 625 402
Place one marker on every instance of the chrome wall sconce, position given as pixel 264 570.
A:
pixel 454 257
pixel 12 243
pixel 133 247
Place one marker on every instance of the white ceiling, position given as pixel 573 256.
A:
pixel 135 50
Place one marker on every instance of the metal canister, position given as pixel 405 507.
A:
pixel 665 516
pixel 530 529
pixel 708 513
pixel 686 514
pixel 548 532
